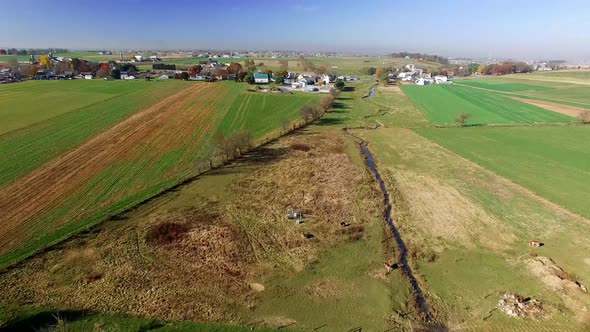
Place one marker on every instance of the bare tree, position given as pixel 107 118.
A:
pixel 584 116
pixel 326 102
pixel 206 159
pixel 223 149
pixel 307 113
pixel 286 125
pixel 27 70
pixel 335 92
pixel 462 118
pixel 242 141
pixel 317 111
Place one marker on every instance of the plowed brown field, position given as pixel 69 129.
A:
pixel 572 111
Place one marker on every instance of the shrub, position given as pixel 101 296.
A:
pixel 462 118
pixel 300 147
pixel 166 233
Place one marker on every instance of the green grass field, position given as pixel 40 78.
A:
pixel 81 55
pixel 442 104
pixel 462 196
pixel 259 111
pixel 559 76
pixel 552 162
pixel 479 223
pixel 37 125
pixel 502 85
pixel 30 102
pixel 145 170
pixel 535 87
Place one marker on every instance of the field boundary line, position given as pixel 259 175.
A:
pixel 518 186
pixel 522 96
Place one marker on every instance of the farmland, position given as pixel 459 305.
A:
pixel 559 156
pixel 239 237
pixel 466 201
pixel 469 198
pixel 44 133
pixel 476 225
pixel 97 170
pixel 442 104
pixel 531 88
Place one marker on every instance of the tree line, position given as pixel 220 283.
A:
pixel 504 68
pixel 35 51
pixel 425 57
pixel 163 66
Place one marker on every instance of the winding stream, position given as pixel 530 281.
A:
pixel 403 264
pixel 371 93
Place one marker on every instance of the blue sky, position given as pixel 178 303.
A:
pixel 502 28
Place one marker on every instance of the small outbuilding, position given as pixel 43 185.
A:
pixel 261 78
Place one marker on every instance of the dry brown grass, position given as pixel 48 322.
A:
pixel 200 263
pixel 572 111
pixel 323 183
pixel 166 233
pixel 118 271
pixel 300 147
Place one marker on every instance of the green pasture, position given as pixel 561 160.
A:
pixel 559 76
pixel 43 119
pixel 27 103
pixel 81 55
pixel 503 85
pixel 259 111
pixel 550 161
pixel 478 223
pixel 536 88
pixel 443 103
pixel 389 107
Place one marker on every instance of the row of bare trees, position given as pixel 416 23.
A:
pixel 225 148
pixel 313 112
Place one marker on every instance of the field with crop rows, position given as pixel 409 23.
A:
pixel 504 85
pixel 442 104
pixel 37 125
pixel 559 76
pixel 257 112
pixel 562 87
pixel 53 190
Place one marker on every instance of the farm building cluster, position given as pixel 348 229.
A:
pixel 420 77
pixel 133 66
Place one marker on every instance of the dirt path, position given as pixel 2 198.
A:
pixel 37 192
pixel 554 107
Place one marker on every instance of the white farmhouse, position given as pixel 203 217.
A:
pixel 440 79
